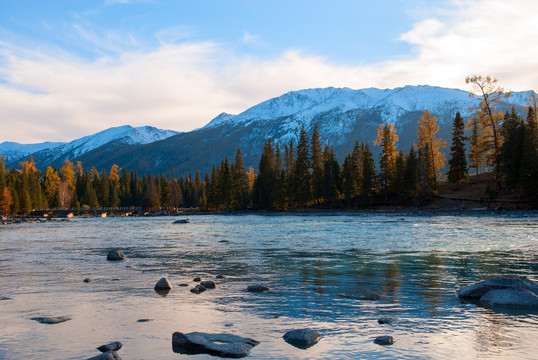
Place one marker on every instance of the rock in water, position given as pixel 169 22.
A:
pixel 115 255
pixel 503 291
pixel 384 340
pixel 109 355
pixel 361 294
pixel 257 288
pixel 51 320
pixel 302 338
pixel 87 280
pixel 518 298
pixel 476 291
pixel 197 279
pixel 198 289
pixel 113 346
pixel 163 285
pixel 223 345
pixel 385 320
pixel 208 284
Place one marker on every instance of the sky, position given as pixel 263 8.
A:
pixel 73 68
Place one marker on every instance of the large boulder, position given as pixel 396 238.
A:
pixel 507 290
pixel 302 338
pixel 223 345
pixel 115 255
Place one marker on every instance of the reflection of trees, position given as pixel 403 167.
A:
pixel 491 332
pixel 431 281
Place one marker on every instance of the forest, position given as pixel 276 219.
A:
pixel 307 175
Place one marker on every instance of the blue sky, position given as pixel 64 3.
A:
pixel 72 68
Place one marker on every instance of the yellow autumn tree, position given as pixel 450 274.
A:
pixel 431 145
pixel 489 120
pixel 52 182
pixel 68 173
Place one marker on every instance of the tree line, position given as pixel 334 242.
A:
pixel 308 174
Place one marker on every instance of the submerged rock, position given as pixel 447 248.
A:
pixel 208 284
pixel 360 294
pixel 385 320
pixel 505 291
pixel 87 280
pixel 219 276
pixel 384 340
pixel 163 285
pixel 4 298
pixel 223 345
pixel 257 288
pixel 302 338
pixel 197 279
pixel 113 346
pixel 198 289
pixel 109 355
pixel 115 255
pixel 51 320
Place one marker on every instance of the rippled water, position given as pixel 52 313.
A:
pixel 415 262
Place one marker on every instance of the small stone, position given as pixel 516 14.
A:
pixel 385 320
pixel 223 241
pixel 163 284
pixel 219 276
pixel 384 340
pixel 198 289
pixel 197 279
pixel 183 284
pixel 51 320
pixel 109 355
pixel 87 280
pixel 4 298
pixel 302 338
pixel 144 320
pixel 257 288
pixel 208 284
pixel 113 346
pixel 115 255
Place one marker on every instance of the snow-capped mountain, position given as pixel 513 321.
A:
pixel 54 153
pixel 343 116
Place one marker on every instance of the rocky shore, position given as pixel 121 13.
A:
pixel 13 220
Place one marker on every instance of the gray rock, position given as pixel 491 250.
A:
pixel 361 294
pixel 223 345
pixel 109 355
pixel 219 276
pixel 115 255
pixel 87 280
pixel 385 320
pixel 518 298
pixel 476 291
pixel 144 320
pixel 183 284
pixel 198 289
pixel 197 279
pixel 113 346
pixel 51 320
pixel 257 288
pixel 302 338
pixel 163 284
pixel 384 340
pixel 208 284
pixel 4 298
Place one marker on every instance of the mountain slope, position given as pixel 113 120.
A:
pixel 343 117
pixel 55 153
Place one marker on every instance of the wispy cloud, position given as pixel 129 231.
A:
pixel 182 85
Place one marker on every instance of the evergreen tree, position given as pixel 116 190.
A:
pixel 476 151
pixel 511 156
pixel 239 187
pixel 151 195
pixel 317 166
pixel 387 138
pixel 368 176
pixel 265 184
pixel 302 171
pixel 331 178
pixel 457 171
pixel 348 180
pixel 410 179
pixel 529 161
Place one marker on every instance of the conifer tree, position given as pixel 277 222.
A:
pixel 348 180
pixel 457 171
pixel 511 156
pixel 368 176
pixel 476 151
pixel 426 137
pixel 302 171
pixel 331 176
pixel 317 166
pixel 410 176
pixel 387 138
pixel 265 183
pixel 239 187
pixel 529 160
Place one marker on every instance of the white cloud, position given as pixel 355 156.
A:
pixel 182 86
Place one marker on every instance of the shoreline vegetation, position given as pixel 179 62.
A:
pixel 502 150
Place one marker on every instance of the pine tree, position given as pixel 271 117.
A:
pixel 426 137
pixel 348 180
pixel 511 156
pixel 387 138
pixel 529 161
pixel 302 171
pixel 265 183
pixel 317 166
pixel 457 171
pixel 476 151
pixel 239 187
pixel 410 180
pixel 368 176
pixel 331 177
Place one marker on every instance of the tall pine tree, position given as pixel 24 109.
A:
pixel 457 171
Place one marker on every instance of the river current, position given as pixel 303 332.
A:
pixel 415 262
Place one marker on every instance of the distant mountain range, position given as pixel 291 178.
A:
pixel 343 116
pixel 54 153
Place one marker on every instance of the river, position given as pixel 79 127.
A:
pixel 415 262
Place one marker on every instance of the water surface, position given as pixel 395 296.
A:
pixel 415 262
